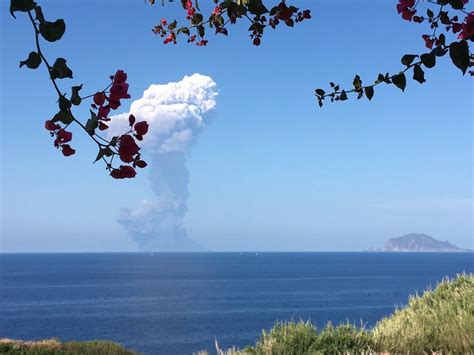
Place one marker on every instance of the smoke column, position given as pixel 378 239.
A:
pixel 176 112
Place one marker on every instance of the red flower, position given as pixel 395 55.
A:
pixel 141 128
pixel 131 120
pixel 467 31
pixel 99 98
pixel 404 8
pixel 428 41
pixel 119 91
pixel 102 126
pixel 127 148
pixel 120 77
pixel 104 111
pixel 67 150
pixel 63 136
pixel 256 41
pixel 124 172
pixel 114 104
pixel 51 126
pixel 140 163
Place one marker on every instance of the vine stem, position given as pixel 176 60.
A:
pixel 49 67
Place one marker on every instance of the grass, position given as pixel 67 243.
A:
pixel 54 346
pixel 439 321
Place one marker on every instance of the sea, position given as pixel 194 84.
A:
pixel 180 303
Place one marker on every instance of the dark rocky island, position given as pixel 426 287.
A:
pixel 420 243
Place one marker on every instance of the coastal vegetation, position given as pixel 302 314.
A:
pixel 439 321
pixel 54 346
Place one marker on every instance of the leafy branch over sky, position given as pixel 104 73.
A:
pixel 123 146
pixel 450 30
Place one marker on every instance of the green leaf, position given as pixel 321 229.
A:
pixel 428 59
pixel 60 69
pixel 429 13
pixel 52 31
pixel 343 95
pixel 33 61
pixel 400 81
pixel 197 19
pixel 459 53
pixel 407 59
pixel 418 74
pixel 21 5
pixel 75 98
pixel 64 117
pixel 369 92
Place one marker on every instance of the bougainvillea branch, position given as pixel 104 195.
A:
pixel 123 146
pixel 225 12
pixel 458 49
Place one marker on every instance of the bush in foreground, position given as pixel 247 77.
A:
pixel 53 346
pixel 439 321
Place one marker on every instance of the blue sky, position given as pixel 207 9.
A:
pixel 273 171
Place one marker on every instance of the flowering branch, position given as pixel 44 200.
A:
pixel 123 146
pixel 225 12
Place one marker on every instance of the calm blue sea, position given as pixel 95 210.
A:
pixel 179 303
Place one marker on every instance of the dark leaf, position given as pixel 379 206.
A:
pixel 418 74
pixel 75 98
pixel 459 53
pixel 320 92
pixel 64 104
pixel 439 51
pixel 103 152
pixel 400 81
pixel 33 61
pixel 92 123
pixel 52 31
pixel 407 59
pixel 21 5
pixel 428 59
pixel 343 95
pixel 369 92
pixel 39 14
pixel 456 4
pixel 64 117
pixel 60 69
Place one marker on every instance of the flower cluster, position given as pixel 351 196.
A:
pixel 129 151
pixel 103 103
pixel 62 137
pixel 466 28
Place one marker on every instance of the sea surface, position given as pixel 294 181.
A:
pixel 178 303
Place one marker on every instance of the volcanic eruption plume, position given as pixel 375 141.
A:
pixel 176 112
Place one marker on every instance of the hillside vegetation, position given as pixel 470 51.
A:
pixel 53 346
pixel 439 321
